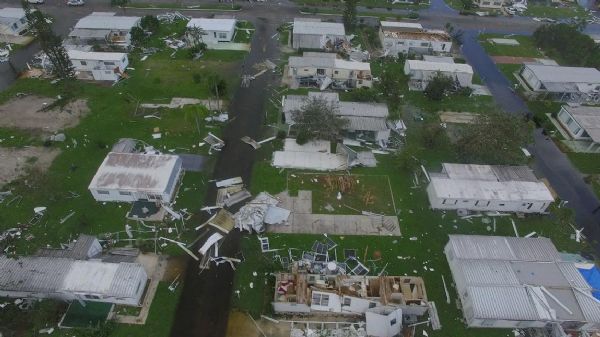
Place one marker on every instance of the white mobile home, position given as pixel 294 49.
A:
pixel 582 123
pixel 314 34
pixel 326 69
pixel 69 279
pixel 410 38
pixel 568 84
pixel 13 21
pixel 214 30
pixel 104 28
pixel 98 66
pixel 493 4
pixel 509 282
pixel 422 72
pixel 488 188
pixel 365 120
pixel 129 177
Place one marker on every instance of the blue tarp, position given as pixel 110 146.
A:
pixel 592 276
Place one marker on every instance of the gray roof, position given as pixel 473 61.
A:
pixel 85 33
pixel 354 109
pixel 78 250
pixel 508 278
pixel 327 61
pixel 588 118
pixel 489 172
pixel 550 73
pixel 39 274
pixel 318 28
pixel 107 21
pixel 366 123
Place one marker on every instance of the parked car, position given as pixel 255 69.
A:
pixel 75 3
pixel 36 2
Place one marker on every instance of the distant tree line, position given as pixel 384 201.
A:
pixel 568 44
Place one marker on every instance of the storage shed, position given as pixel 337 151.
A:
pixel 129 177
pixel 507 282
pixel 488 188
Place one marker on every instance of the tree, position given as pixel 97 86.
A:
pixel 439 86
pixel 137 36
pixel 406 159
pixel 455 34
pixel 318 119
pixel 569 44
pixel 349 15
pixel 494 138
pixel 194 35
pixel 150 23
pixel 432 135
pixel 50 43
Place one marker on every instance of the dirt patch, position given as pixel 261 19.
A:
pixel 14 163
pixel 175 267
pixel 512 59
pixel 26 113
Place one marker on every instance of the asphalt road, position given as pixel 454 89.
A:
pixel 549 161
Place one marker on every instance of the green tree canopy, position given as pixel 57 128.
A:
pixel 568 44
pixel 318 119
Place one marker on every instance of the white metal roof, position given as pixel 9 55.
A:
pixel 488 172
pixel 40 274
pixel 12 13
pixel 135 171
pixel 503 248
pixel 314 60
pixel 490 190
pixel 366 123
pixel 310 160
pixel 95 56
pixel 439 66
pixel 502 302
pixel 395 24
pixel 559 74
pixel 318 28
pixel 219 25
pixel 588 118
pixel 107 21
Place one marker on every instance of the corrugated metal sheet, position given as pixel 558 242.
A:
pixel 503 248
pixel 510 303
pixel 572 275
pixel 533 249
pixel 78 250
pixel 37 274
pixel 478 272
pixel 513 173
pixel 126 280
pixel 589 306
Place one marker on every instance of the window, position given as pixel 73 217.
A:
pixel 222 35
pixel 487 322
pixel 372 305
pixel 124 193
pixel 444 202
pixel 83 63
pixel 424 44
pixel 393 322
pixel 215 34
pixel 108 72
pixel 347 300
pixel 93 297
pixel 443 46
pixel 320 299
pixel 500 204
pixel 336 72
pixel 320 71
pixel 109 63
pixel 102 192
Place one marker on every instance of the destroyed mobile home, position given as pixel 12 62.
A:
pixel 103 28
pixel 79 272
pixel 324 70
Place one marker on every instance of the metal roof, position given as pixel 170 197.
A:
pixel 490 190
pixel 324 60
pixel 318 28
pixel 107 21
pixel 588 118
pixel 503 248
pixel 485 272
pixel 488 172
pixel 559 74
pixel 78 250
pixel 501 302
pixel 85 33
pixel 95 56
pixel 37 274
pixel 439 66
pixel 135 171
pixel 366 123
pixel 395 24
pixel 12 13
pixel 219 25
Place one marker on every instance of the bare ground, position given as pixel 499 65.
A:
pixel 14 163
pixel 26 113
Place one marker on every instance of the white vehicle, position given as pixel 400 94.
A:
pixel 75 3
pixel 36 2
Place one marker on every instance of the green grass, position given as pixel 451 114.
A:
pixel 361 192
pixel 508 71
pixel 18 138
pixel 241 35
pixel 569 11
pixel 92 315
pixel 588 163
pixel 526 47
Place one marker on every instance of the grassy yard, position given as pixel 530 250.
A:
pixel 526 47
pixel 508 70
pixel 564 11
pixel 244 30
pixel 587 163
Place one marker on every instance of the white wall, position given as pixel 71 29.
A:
pixel 526 206
pixel 357 305
pixel 567 121
pixel 381 325
pixel 395 46
pixel 17 26
pixel 334 304
pixel 214 36
pixel 333 73
pixel 529 77
pixel 285 307
pixel 309 41
pixel 101 70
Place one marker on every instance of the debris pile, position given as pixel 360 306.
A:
pixel 171 17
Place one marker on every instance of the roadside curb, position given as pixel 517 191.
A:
pixel 185 9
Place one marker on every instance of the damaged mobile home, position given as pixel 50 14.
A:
pixel 13 21
pixel 103 28
pixel 488 188
pixel 314 34
pixel 129 177
pixel 411 38
pixel 507 282
pixel 324 70
pixel 422 72
pixel 564 84
pixel 79 272
pixel 212 30
pixel 98 66
pixel 366 121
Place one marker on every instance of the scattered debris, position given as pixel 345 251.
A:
pixel 215 142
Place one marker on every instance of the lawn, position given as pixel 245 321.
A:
pixel 358 193
pixel 556 12
pixel 508 70
pixel 587 163
pixel 526 47
pixel 243 32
